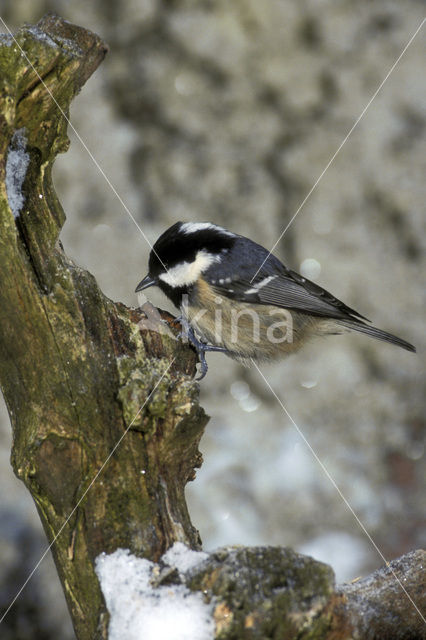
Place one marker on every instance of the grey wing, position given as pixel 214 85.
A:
pixel 274 284
pixel 288 290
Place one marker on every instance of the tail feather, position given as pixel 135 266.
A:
pixel 376 333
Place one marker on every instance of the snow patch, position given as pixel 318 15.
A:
pixel 16 169
pixel 140 610
pixel 182 558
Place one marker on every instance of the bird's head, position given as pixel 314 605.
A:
pixel 182 254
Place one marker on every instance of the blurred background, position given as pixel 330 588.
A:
pixel 229 112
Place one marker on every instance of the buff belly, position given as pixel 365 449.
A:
pixel 249 331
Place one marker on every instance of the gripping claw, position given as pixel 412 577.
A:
pixel 199 346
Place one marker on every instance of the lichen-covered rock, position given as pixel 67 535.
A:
pixel 266 593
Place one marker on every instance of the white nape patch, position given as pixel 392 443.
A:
pixel 186 273
pixel 193 227
pixel 16 169
pixel 139 610
pixel 260 285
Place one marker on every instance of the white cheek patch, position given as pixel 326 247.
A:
pixel 186 273
pixel 193 227
pixel 260 285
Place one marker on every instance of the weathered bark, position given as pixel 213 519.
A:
pixel 378 607
pixel 78 370
pixel 75 368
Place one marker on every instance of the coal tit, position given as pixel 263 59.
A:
pixel 228 304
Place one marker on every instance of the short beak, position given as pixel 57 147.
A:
pixel 145 283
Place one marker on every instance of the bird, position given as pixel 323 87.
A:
pixel 237 298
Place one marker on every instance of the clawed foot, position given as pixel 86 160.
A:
pixel 199 346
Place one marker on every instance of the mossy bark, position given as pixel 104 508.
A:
pixel 75 368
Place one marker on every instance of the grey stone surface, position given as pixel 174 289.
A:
pixel 379 606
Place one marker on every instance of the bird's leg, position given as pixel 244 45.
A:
pixel 199 346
